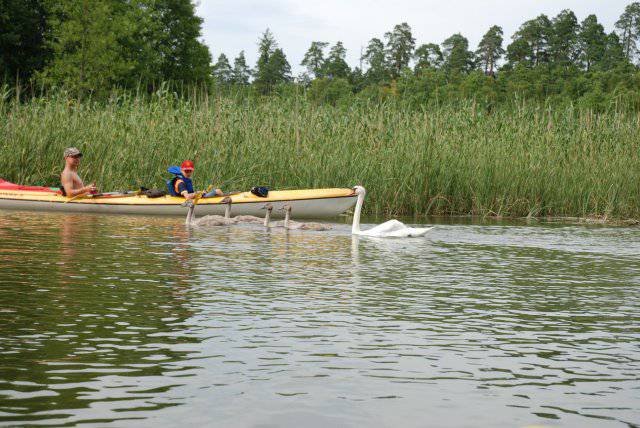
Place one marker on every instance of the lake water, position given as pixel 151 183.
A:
pixel 139 322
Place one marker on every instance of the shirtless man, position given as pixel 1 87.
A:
pixel 72 185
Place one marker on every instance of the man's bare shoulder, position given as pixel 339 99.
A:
pixel 67 173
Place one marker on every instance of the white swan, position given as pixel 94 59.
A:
pixel 389 229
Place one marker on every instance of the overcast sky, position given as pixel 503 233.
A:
pixel 234 25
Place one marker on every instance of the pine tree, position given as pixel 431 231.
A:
pixel 263 76
pixel 457 57
pixel 563 41
pixel 399 48
pixel 490 50
pixel 374 57
pixel 272 68
pixel 428 56
pixel 279 68
pixel 593 42
pixel 314 59
pixel 336 65
pixel 613 53
pixel 628 27
pixel 531 43
pixel 222 70
pixel 241 72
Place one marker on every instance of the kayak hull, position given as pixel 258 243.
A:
pixel 312 203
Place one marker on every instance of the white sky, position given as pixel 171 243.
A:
pixel 234 25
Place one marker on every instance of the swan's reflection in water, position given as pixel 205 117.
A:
pixel 145 322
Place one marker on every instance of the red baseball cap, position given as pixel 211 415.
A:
pixel 186 165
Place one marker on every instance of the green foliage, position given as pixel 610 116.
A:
pixel 100 47
pixel 375 58
pixel 628 27
pixel 428 56
pixel 330 90
pixel 23 24
pixel 87 55
pixel 222 70
pixel 457 57
pixel 490 50
pixel 399 48
pixel 314 59
pixel 613 53
pixel 183 57
pixel 336 65
pixel 531 43
pixel 593 42
pixel 272 68
pixel 279 67
pixel 241 72
pixel 563 39
pixel 92 46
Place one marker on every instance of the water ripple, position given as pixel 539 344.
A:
pixel 141 322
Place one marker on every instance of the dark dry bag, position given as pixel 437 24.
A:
pixel 260 191
pixel 152 193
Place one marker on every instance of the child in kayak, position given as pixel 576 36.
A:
pixel 182 185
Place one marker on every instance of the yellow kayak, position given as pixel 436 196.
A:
pixel 307 203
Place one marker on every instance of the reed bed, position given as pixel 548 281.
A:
pixel 519 161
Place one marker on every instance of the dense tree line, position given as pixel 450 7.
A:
pixel 92 46
pixel 556 59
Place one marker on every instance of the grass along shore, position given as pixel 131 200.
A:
pixel 523 161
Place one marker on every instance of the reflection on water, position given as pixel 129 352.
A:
pixel 143 322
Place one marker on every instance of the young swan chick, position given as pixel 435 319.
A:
pixel 248 219
pixel 213 220
pixel 296 225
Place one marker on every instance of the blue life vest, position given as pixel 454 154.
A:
pixel 177 175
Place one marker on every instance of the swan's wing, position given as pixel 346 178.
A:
pixel 386 227
pixel 419 231
pixel 408 232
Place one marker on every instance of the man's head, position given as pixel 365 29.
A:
pixel 72 156
pixel 187 168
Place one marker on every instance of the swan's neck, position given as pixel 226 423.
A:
pixel 267 217
pixel 227 211
pixel 355 228
pixel 287 217
pixel 190 215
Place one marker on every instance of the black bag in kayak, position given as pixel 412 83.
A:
pixel 152 193
pixel 260 191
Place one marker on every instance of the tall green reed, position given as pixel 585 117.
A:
pixel 524 160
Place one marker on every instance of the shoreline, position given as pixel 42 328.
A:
pixel 589 220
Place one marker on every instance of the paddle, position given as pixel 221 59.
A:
pixel 201 194
pixel 81 195
pixel 124 194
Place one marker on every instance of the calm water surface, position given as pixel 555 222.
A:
pixel 136 322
